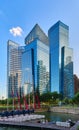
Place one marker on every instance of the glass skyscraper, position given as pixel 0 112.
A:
pixel 35 61
pixel 61 60
pixel 67 72
pixel 44 64
pixel 14 68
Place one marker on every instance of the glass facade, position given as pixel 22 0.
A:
pixel 14 70
pixel 42 67
pixel 36 33
pixel 35 67
pixel 27 82
pixel 44 64
pixel 35 62
pixel 67 72
pixel 59 38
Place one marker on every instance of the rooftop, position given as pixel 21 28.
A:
pixel 36 32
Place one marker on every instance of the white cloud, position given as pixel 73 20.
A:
pixel 17 31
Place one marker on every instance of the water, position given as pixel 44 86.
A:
pixel 60 116
pixel 10 128
pixel 51 117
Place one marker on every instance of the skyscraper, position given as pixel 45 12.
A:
pixel 67 72
pixel 61 60
pixel 44 64
pixel 14 70
pixel 35 61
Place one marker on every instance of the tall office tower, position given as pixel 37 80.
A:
pixel 61 60
pixel 14 70
pixel 35 62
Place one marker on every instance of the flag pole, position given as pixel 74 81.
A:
pixel 29 100
pixel 13 97
pixel 13 103
pixel 24 100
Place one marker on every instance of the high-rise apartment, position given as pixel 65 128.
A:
pixel 61 60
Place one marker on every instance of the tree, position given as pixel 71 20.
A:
pixel 66 100
pixel 55 95
pixel 46 97
pixel 76 98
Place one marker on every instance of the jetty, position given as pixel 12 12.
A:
pixel 33 125
pixel 30 121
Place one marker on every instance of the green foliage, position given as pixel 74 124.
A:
pixel 3 102
pixel 66 100
pixel 45 97
pixel 10 100
pixel 55 95
pixel 76 98
pixel 52 98
pixel 55 98
pixel 71 101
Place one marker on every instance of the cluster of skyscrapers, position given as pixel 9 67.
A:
pixel 44 64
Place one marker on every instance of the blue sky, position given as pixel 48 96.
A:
pixel 17 18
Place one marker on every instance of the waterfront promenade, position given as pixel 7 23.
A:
pixel 71 110
pixel 31 125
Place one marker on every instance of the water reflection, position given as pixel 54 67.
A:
pixel 60 116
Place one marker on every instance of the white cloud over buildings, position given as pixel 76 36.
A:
pixel 16 31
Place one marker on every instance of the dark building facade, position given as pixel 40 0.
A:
pixel 76 84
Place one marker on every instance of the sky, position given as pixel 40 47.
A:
pixel 17 18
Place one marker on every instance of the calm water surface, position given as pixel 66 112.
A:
pixel 51 117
